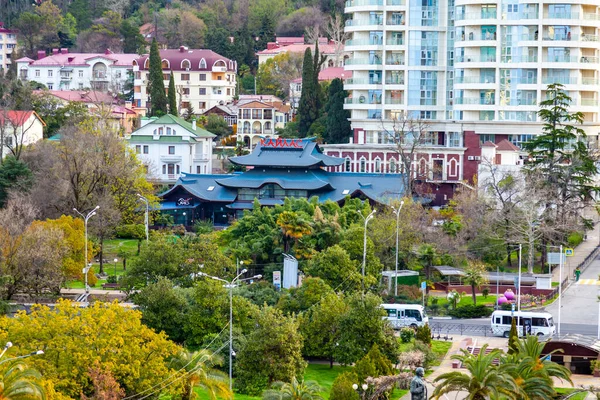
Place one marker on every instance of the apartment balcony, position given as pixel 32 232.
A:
pixel 471 37
pixel 394 100
pixel 519 59
pixel 590 81
pixel 170 158
pixel 394 42
pixel 395 2
pixel 571 59
pixel 588 103
pixel 363 100
pixel 200 158
pixel 363 43
pixel 475 59
pixel 394 61
pixel 366 22
pixel 394 81
pixel 475 16
pixel 548 80
pixel 474 79
pixel 362 3
pixel 475 100
pixel 363 61
pixel 99 76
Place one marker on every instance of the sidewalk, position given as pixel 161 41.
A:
pixel 581 252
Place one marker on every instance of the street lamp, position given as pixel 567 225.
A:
pixel 115 260
pixel 367 219
pixel 397 213
pixel 145 200
pixel 364 387
pixel 35 353
pixel 7 346
pixel 230 285
pixel 86 266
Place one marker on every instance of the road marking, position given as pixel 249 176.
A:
pixel 588 282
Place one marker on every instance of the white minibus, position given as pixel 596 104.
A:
pixel 401 315
pixel 528 323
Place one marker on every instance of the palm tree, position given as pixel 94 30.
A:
pixel 427 254
pixel 293 226
pixel 303 390
pixel 199 371
pixel 483 381
pixel 21 383
pixel 533 373
pixel 475 277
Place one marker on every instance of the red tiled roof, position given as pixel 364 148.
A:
pixel 329 74
pixel 81 59
pixel 505 145
pixel 175 57
pixel 85 96
pixel 18 118
pixel 256 104
pixel 488 144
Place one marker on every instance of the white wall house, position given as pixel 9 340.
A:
pixel 62 70
pixel 19 129
pixel 169 146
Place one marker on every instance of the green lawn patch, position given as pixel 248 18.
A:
pixel 566 391
pixel 467 300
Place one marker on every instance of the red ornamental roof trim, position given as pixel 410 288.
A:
pixel 282 143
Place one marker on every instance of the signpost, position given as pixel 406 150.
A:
pixel 423 289
pixel 569 252
pixel 277 280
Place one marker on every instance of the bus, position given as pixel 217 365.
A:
pixel 401 315
pixel 528 323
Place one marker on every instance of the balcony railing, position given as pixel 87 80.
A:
pixel 473 37
pixel 363 61
pixel 363 100
pixel 396 2
pixel 490 58
pixel 394 81
pixel 475 100
pixel 99 75
pixel 519 59
pixel 548 80
pixel 394 41
pixel 570 59
pixel 589 81
pixel 394 100
pixel 474 79
pixel 481 15
pixel 358 3
pixel 364 22
pixel 589 102
pixel 394 61
pixel 364 42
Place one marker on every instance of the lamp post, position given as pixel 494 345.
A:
pixel 397 213
pixel 35 353
pixel 7 346
pixel 230 285
pixel 145 200
pixel 364 263
pixel 115 260
pixel 560 282
pixel 363 393
pixel 86 266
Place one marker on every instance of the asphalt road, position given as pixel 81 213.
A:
pixel 481 327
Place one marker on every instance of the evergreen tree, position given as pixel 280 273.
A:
pixel 513 338
pixel 317 63
pixel 173 109
pixel 189 112
pixel 156 84
pixel 338 124
pixel 133 40
pixel 307 106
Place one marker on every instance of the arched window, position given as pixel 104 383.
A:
pixel 147 63
pixel 231 65
pixel 203 64
pixel 348 164
pixel 185 64
pixel 363 165
pixel 393 166
pixel 165 64
pixel 330 64
pixel 135 63
pixel 220 63
pixel 377 165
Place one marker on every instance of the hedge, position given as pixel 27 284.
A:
pixel 471 311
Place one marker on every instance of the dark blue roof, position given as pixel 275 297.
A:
pixel 303 179
pixel 287 153
pixel 204 187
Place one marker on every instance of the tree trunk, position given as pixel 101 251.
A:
pixel 139 246
pixel 531 255
pixel 331 362
pixel 508 255
pixel 474 295
pixel 124 264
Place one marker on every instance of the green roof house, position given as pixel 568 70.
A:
pixel 169 146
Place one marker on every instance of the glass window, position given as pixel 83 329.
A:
pixel 348 164
pixel 363 164
pixel 171 149
pixel 50 73
pixel 171 169
pixel 392 312
pixel 487 138
pixel 202 77
pixel 138 149
pixel 202 91
pixel 164 169
pixel 146 149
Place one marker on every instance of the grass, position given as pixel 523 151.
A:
pixel 578 396
pixel 439 347
pixel 467 300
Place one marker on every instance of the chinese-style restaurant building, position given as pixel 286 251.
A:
pixel 276 169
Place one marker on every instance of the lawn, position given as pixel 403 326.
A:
pixel 439 347
pixel 578 396
pixel 467 300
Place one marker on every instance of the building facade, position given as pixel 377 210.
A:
pixel 257 120
pixel 19 129
pixel 203 78
pixel 62 70
pixel 476 71
pixel 8 43
pixel 334 53
pixel 170 146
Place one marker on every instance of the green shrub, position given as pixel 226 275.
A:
pixel 111 279
pixel 373 364
pixel 203 226
pixel 429 357
pixel 423 334
pixel 575 239
pixel 485 292
pixel 406 334
pixel 506 306
pixel 471 311
pixel 342 387
pixel 130 231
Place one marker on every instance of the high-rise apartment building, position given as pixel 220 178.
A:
pixel 8 43
pixel 475 70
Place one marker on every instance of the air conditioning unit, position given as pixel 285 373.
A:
pixel 471 158
pixel 187 69
pixel 477 158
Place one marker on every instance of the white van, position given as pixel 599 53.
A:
pixel 401 315
pixel 528 323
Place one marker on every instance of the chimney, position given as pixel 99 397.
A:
pixel 183 49
pixel 194 124
pixel 70 59
pixel 54 51
pixel 272 45
pixel 107 52
pixel 64 51
pixel 41 54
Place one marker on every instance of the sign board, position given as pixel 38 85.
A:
pixel 184 201
pixel 290 272
pixel 554 258
pixel 516 281
pixel 569 252
pixel 423 285
pixel 277 279
pixel 282 143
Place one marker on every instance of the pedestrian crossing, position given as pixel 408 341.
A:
pixel 588 282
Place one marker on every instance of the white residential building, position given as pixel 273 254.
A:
pixel 203 78
pixel 476 70
pixel 19 129
pixel 8 43
pixel 62 70
pixel 169 146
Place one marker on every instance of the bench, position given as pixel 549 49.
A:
pixel 110 286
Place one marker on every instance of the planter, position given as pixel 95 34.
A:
pixel 597 373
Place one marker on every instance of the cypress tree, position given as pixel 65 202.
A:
pixel 338 125
pixel 173 110
pixel 513 337
pixel 307 106
pixel 317 62
pixel 156 84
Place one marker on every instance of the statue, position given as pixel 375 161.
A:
pixel 418 390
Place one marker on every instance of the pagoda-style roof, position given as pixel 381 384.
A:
pixel 290 179
pixel 287 153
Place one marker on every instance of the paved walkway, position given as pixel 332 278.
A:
pixel 581 252
pixel 497 343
